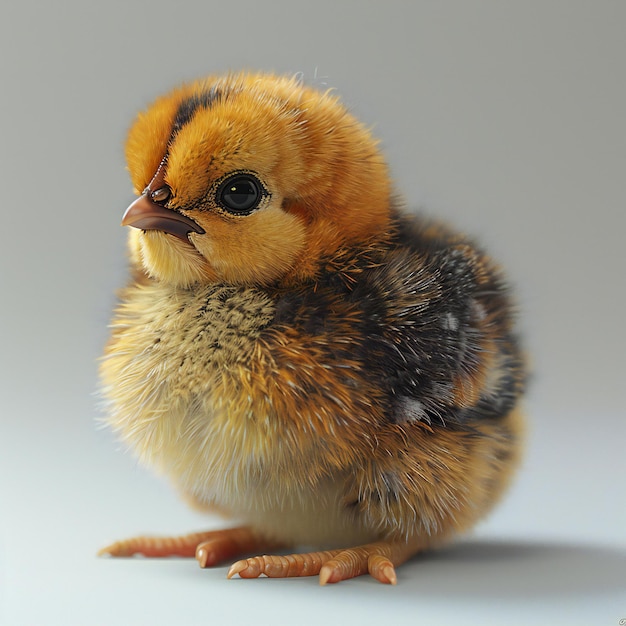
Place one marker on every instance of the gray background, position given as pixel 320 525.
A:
pixel 507 119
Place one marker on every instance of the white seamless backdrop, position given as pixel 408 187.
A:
pixel 505 118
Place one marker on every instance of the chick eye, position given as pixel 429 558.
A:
pixel 240 194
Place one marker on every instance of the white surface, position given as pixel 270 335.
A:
pixel 552 554
pixel 506 118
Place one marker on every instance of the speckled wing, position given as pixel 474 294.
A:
pixel 427 318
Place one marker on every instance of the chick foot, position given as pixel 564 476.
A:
pixel 378 559
pixel 208 547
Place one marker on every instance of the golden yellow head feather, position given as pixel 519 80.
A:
pixel 321 179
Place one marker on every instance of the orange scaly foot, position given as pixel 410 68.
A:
pixel 378 559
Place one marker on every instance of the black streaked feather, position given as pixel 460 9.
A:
pixel 188 107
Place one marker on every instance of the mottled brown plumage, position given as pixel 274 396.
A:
pixel 295 351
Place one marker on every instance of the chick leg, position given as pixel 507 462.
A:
pixel 378 559
pixel 209 547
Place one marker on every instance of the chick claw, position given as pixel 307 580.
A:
pixel 377 559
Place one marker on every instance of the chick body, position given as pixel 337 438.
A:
pixel 326 369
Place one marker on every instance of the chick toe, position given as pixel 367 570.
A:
pixel 377 559
pixel 184 545
pixel 279 566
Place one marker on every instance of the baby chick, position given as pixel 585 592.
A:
pixel 295 351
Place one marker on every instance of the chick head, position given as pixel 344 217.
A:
pixel 250 180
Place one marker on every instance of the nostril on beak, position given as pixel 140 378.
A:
pixel 161 195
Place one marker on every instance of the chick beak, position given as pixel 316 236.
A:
pixel 147 215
